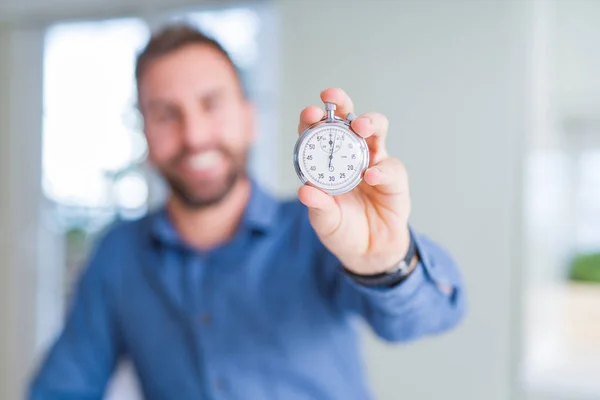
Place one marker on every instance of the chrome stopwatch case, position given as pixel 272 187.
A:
pixel 330 155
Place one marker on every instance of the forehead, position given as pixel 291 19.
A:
pixel 193 68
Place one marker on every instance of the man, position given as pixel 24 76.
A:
pixel 228 293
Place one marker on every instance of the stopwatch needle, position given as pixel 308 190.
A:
pixel 332 144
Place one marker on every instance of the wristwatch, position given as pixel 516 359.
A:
pixel 390 277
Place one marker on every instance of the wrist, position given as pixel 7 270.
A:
pixel 392 275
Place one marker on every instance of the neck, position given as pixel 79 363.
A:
pixel 208 227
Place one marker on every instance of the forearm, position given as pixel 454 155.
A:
pixel 414 308
pixel 431 299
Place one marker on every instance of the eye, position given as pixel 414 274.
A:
pixel 166 115
pixel 213 103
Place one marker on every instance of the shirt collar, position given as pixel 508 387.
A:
pixel 260 216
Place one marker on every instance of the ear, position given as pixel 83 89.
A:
pixel 142 128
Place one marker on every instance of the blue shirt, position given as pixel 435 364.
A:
pixel 266 315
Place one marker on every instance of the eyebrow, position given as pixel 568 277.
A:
pixel 212 94
pixel 159 103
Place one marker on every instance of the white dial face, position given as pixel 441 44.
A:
pixel 332 158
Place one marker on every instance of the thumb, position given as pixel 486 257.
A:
pixel 323 211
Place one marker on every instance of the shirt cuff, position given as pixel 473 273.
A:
pixel 425 272
pixel 404 289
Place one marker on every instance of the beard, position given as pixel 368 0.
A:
pixel 210 193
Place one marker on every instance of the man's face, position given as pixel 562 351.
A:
pixel 197 123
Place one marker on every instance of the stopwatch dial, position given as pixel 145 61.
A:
pixel 330 140
pixel 336 165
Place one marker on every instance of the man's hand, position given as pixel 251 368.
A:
pixel 366 228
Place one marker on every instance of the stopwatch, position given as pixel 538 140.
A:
pixel 330 155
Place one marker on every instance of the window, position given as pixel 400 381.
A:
pixel 93 147
pixel 91 136
pixel 588 200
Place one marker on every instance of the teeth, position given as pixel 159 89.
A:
pixel 205 160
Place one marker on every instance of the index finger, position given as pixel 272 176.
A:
pixel 340 98
pixel 309 116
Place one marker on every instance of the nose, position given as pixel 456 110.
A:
pixel 195 132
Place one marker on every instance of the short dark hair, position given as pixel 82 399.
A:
pixel 173 37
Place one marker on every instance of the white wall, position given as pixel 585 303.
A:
pixel 567 78
pixel 576 57
pixel 453 78
pixel 20 150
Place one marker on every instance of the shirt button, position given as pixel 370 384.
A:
pixel 206 319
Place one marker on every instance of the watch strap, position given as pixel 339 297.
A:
pixel 392 276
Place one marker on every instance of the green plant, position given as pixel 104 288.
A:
pixel 585 268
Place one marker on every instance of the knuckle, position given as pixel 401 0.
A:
pixel 383 121
pixel 399 164
pixel 386 122
pixel 395 165
pixel 377 118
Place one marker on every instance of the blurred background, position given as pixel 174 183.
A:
pixel 494 107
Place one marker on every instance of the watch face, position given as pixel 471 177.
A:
pixel 331 157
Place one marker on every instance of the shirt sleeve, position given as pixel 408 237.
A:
pixel 80 362
pixel 430 300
